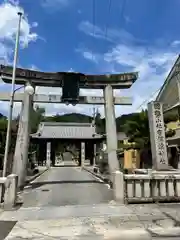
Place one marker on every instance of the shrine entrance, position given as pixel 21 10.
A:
pixel 70 82
pixel 55 138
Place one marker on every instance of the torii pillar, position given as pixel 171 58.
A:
pixel 117 177
pixel 22 141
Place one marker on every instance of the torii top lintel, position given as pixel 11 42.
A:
pixel 55 79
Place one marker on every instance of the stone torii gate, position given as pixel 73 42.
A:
pixel 64 79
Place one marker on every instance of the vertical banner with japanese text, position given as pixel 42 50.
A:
pixel 82 153
pixel 157 136
pixel 48 154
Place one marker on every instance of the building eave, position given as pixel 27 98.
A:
pixel 168 79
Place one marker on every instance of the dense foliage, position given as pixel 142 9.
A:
pixel 137 128
pixel 135 125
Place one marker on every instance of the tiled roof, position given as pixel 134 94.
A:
pixel 59 130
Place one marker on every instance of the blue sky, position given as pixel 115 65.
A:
pixel 100 36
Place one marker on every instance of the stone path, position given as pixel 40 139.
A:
pixel 67 203
pixel 101 221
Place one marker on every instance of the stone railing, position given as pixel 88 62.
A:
pixel 2 188
pixel 151 187
pixel 8 191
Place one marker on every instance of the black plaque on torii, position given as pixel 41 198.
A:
pixel 70 88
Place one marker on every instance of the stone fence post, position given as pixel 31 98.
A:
pixel 10 196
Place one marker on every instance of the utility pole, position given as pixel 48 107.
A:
pixel 9 125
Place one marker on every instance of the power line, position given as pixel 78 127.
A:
pixel 108 15
pixel 123 6
pixel 145 101
pixel 94 21
pixel 174 75
pixel 93 14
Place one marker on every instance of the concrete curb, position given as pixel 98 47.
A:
pixel 35 176
pixel 104 179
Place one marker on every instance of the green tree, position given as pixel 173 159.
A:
pixel 3 131
pixel 171 117
pixel 99 123
pixel 71 117
pixel 137 130
pixel 37 116
pixel 3 126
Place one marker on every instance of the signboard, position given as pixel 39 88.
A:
pixel 157 136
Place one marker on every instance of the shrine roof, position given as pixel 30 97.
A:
pixel 62 130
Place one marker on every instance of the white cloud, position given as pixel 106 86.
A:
pixel 8 29
pixel 9 23
pixel 152 63
pixel 91 56
pixel 33 67
pixel 71 70
pixel 54 4
pixel 5 53
pixel 175 43
pixel 111 35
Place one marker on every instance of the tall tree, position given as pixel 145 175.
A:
pixel 137 129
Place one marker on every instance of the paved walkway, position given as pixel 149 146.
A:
pixel 67 203
pixel 61 186
pixel 100 221
pixel 41 169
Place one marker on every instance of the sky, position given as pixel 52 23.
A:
pixel 93 36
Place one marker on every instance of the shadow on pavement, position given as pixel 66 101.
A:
pixel 66 165
pixel 39 184
pixel 5 228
